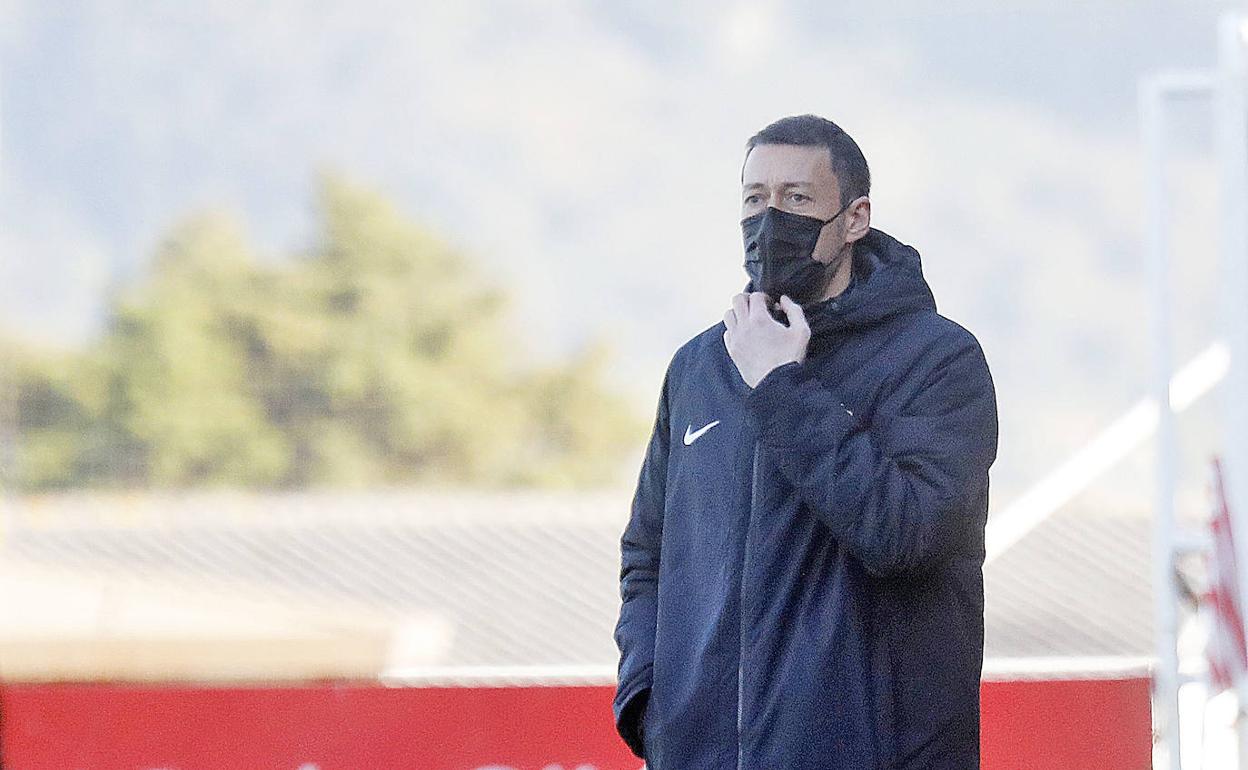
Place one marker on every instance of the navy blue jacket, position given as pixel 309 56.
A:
pixel 802 582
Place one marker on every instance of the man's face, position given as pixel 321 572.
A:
pixel 799 180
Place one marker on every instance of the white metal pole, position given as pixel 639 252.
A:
pixel 1231 137
pixel 1165 600
pixel 8 395
pixel 8 398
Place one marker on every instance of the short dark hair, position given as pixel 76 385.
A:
pixel 848 163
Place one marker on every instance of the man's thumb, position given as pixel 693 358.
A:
pixel 793 310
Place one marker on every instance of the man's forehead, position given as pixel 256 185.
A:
pixel 780 164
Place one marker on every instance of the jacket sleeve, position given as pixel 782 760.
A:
pixel 900 492
pixel 639 572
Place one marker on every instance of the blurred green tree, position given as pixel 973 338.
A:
pixel 379 358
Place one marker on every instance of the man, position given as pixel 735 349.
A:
pixel 802 572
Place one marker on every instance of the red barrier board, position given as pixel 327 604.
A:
pixel 1049 725
pixel 1031 725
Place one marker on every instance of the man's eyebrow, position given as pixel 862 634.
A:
pixel 783 185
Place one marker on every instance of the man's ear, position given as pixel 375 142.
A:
pixel 859 220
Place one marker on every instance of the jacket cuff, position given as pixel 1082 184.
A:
pixel 794 409
pixel 774 391
pixel 629 721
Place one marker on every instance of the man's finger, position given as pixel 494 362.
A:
pixel 758 302
pixel 741 306
pixel 797 316
pixel 730 319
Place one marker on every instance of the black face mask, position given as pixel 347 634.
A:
pixel 778 248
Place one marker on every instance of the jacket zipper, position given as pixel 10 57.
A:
pixel 745 558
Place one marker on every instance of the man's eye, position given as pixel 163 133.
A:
pixel 799 198
pixel 751 199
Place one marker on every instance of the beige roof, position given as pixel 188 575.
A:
pixel 514 580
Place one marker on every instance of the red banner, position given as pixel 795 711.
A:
pixel 1061 725
pixel 1032 725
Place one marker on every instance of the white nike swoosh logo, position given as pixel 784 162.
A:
pixel 693 436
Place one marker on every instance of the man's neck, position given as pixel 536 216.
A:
pixel 840 280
